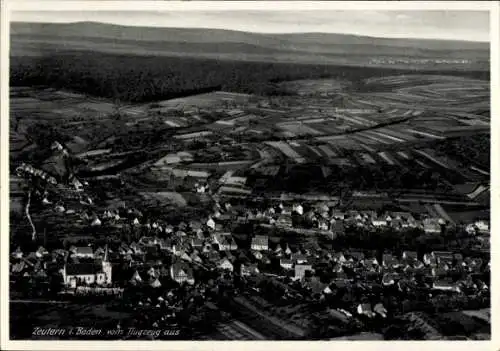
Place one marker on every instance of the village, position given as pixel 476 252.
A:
pixel 204 259
pixel 231 216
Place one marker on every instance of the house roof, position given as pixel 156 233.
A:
pixel 316 285
pixel 177 267
pixel 444 284
pixel 136 276
pixel 155 283
pixel 439 271
pixel 18 267
pixel 366 307
pixel 197 242
pixel 260 240
pixel 444 255
pixel 84 250
pixel 228 240
pixel 410 254
pixel 379 308
pixel 249 267
pixel 431 224
pixel 369 261
pixel 389 276
pixel 82 269
pixel 357 255
pixel 402 215
pixel 298 256
pixel 224 260
pixel 195 225
pixel 303 268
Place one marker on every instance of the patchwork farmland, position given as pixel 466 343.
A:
pixel 404 125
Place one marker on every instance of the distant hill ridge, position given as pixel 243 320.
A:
pixel 289 41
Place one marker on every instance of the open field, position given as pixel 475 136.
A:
pixel 169 197
pixel 389 136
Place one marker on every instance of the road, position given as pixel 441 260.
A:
pixel 50 302
pixel 236 330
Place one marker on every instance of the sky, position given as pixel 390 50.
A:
pixel 436 24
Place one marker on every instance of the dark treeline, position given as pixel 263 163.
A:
pixel 382 177
pixel 149 78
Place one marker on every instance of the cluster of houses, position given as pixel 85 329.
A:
pixel 77 266
pixel 209 245
pixel 327 218
pixel 437 267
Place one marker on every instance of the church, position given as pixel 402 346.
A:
pixel 78 274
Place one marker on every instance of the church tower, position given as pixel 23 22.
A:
pixel 106 267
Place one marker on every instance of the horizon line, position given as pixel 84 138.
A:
pixel 260 33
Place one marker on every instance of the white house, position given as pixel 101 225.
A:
pixel 365 309
pixel 258 255
pixel 136 278
pixel 18 253
pixel 323 225
pixel 181 273
pixel 286 263
pixel 379 222
pixel 339 257
pixel 482 226
pixel 470 229
pixel 299 258
pixel 446 286
pixel 225 264
pixel 211 224
pixel 225 242
pixel 246 270
pixel 431 226
pixel 260 243
pixel 41 252
pixel 380 309
pixel 299 209
pixel 301 269
pixel 96 222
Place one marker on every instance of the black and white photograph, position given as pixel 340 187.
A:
pixel 229 174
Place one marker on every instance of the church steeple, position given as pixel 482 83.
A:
pixel 105 258
pixel 106 266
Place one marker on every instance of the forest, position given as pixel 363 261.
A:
pixel 136 78
pixel 468 150
pixel 381 177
